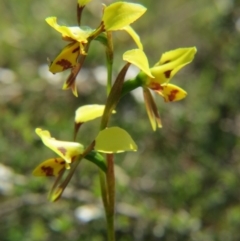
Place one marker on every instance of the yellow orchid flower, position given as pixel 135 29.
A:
pixel 163 71
pixel 69 55
pixel 157 78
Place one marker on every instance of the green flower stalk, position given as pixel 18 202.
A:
pixel 110 140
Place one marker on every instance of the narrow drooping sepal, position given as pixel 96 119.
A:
pixel 120 14
pixel 56 194
pixel 50 167
pixel 152 110
pixel 114 140
pixel 134 36
pixel 70 83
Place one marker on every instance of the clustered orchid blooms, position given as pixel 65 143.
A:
pixel 115 17
pixel 109 140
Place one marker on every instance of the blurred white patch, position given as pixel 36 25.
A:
pixel 132 72
pixel 9 92
pixel 12 36
pixel 6 185
pixel 83 75
pixel 121 176
pixel 8 179
pixel 53 79
pixel 100 74
pixel 87 213
pixel 237 24
pixel 9 88
pixel 224 6
pixel 146 183
pixel 128 210
pixel 7 76
pixel 158 231
pixel 138 95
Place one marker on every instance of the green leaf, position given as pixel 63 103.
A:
pixel 121 14
pixel 97 159
pixel 139 59
pixel 114 140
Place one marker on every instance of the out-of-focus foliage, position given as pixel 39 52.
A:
pixel 182 184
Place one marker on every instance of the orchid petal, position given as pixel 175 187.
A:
pixel 66 59
pixel 120 14
pixel 171 62
pixel 176 54
pixel 74 33
pixel 139 59
pixel 50 167
pixel 66 150
pixel 172 92
pixel 89 112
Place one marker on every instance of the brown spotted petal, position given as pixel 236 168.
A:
pixel 50 167
pixel 66 59
pixel 66 150
pixel 171 92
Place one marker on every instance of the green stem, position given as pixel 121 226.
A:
pixel 109 56
pixel 111 197
pixel 109 77
pixel 104 192
pixel 79 14
pixel 131 84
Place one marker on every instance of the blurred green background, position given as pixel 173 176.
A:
pixel 183 183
